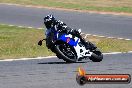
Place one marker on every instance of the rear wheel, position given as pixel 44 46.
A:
pixel 97 56
pixel 66 52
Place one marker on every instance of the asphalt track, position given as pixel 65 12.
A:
pixel 106 25
pixel 54 73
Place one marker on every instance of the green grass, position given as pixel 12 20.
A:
pixel 111 45
pixel 94 5
pixel 22 42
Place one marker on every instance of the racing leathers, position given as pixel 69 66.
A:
pixel 61 27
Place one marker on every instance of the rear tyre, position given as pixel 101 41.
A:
pixel 97 56
pixel 66 52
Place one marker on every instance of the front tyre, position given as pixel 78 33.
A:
pixel 66 52
pixel 97 56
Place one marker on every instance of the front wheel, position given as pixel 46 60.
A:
pixel 66 52
pixel 97 56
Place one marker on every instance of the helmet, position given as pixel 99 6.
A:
pixel 48 21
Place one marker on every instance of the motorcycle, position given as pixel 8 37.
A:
pixel 69 47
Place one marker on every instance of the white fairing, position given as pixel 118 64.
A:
pixel 69 35
pixel 80 49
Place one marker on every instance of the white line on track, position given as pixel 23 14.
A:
pixel 120 38
pixel 88 34
pixel 95 35
pixel 29 27
pixel 101 36
pixel 11 25
pixel 116 53
pixel 128 39
pixel 110 37
pixel 129 51
pixel 20 26
pixel 39 28
pixel 38 58
pixel 112 53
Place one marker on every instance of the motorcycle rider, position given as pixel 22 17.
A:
pixel 51 22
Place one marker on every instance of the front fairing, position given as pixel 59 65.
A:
pixel 68 38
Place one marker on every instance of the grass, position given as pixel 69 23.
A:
pixel 111 45
pixel 94 5
pixel 22 42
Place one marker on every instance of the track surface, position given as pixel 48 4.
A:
pixel 54 73
pixel 107 25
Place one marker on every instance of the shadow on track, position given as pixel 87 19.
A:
pixel 60 62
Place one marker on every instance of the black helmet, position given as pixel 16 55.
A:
pixel 49 20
